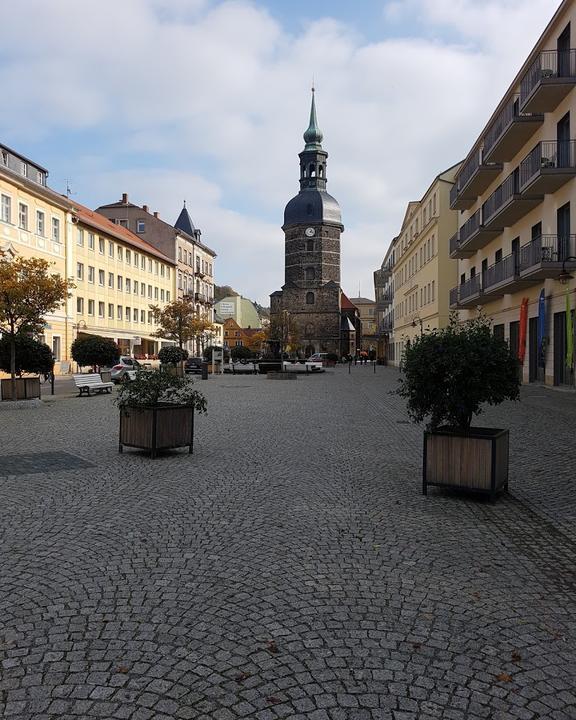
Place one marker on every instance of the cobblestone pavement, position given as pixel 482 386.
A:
pixel 290 568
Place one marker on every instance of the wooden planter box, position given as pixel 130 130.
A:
pixel 476 460
pixel 157 428
pixel 26 388
pixel 177 371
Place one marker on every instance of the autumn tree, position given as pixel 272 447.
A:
pixel 256 341
pixel 284 332
pixel 180 322
pixel 28 292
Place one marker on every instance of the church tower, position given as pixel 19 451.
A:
pixel 312 227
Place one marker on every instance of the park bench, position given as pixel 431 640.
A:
pixel 91 381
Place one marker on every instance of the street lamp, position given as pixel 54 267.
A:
pixel 418 319
pixel 565 276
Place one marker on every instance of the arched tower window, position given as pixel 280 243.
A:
pixel 310 273
pixel 309 298
pixel 312 170
pixel 321 171
pixel 310 245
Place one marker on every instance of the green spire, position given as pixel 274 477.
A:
pixel 313 135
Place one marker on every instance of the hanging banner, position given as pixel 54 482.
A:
pixel 542 329
pixel 521 349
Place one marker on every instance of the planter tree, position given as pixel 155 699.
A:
pixel 449 374
pixel 32 356
pixel 95 350
pixel 28 292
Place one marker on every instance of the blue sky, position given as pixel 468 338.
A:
pixel 207 101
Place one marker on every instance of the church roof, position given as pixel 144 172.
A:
pixel 184 222
pixel 312 206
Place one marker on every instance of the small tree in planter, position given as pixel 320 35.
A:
pixel 31 357
pixel 95 351
pixel 448 375
pixel 239 352
pixel 172 357
pixel 157 411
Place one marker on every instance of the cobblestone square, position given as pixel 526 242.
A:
pixel 289 568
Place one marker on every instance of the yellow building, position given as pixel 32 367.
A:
pixel 367 313
pixel 118 275
pixel 423 272
pixel 516 194
pixel 37 222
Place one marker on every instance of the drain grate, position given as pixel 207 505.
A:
pixel 45 462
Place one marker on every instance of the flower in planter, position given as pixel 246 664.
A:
pixel 154 387
pixel 450 373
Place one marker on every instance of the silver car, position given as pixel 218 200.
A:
pixel 125 369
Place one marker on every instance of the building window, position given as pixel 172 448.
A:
pixel 149 317
pixel 91 241
pixel 309 298
pixel 80 305
pixel 433 290
pixel 111 311
pixel 119 312
pixel 135 287
pixel 123 222
pixel 110 249
pixel 23 216
pixel 155 267
pixel 162 270
pixel 119 282
pixel 128 314
pixel 128 257
pixel 135 315
pixel 90 274
pixel 142 316
pixel 150 291
pixel 149 265
pixel 310 273
pixel 80 237
pixel 142 289
pixel 100 309
pixel 155 293
pixel 120 253
pixel 55 229
pixel 142 262
pixel 135 259
pixel 90 307
pixel 140 226
pixel 101 245
pixel 128 285
pixel 56 349
pixel 6 208
pixel 111 280
pixel 40 223
pixel 162 295
pixel 80 271
pixel 238 343
pixel 179 254
pixel 167 295
pixel 101 278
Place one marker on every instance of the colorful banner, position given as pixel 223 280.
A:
pixel 569 333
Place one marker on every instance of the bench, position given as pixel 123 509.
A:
pixel 91 381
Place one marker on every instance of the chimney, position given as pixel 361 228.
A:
pixel 145 208
pixel 156 213
pixel 124 198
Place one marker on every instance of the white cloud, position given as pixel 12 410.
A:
pixel 214 96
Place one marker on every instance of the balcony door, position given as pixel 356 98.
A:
pixel 516 254
pixel 563 47
pixel 563 142
pixel 563 231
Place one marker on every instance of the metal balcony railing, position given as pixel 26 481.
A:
pixel 454 243
pixel 469 227
pixel 547 155
pixel 504 269
pixel 469 288
pixel 547 249
pixel 454 296
pixel 500 197
pixel 453 194
pixel 548 64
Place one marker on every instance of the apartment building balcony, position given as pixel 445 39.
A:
pixel 547 167
pixel 507 204
pixel 509 132
pixel 382 276
pixel 386 326
pixel 467 294
pixel 543 257
pixel 384 301
pixel 472 180
pixel 503 277
pixel 472 236
pixel 548 80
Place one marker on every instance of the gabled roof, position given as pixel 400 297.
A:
pixel 345 303
pixel 102 224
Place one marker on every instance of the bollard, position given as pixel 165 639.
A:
pixel 204 371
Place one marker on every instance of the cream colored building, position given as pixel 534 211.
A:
pixel 367 313
pixel 37 222
pixel 118 275
pixel 516 195
pixel 384 294
pixel 423 270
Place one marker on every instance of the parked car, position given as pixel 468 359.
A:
pixel 193 365
pixel 125 369
pixel 317 357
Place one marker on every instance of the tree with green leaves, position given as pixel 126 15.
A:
pixel 95 350
pixel 179 321
pixel 28 292
pixel 32 356
pixel 449 373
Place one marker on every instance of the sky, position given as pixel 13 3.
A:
pixel 207 100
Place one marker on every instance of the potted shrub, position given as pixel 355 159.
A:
pixel 31 357
pixel 172 358
pixel 95 351
pixel 448 375
pixel 157 411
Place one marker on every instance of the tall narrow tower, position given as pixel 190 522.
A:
pixel 312 228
